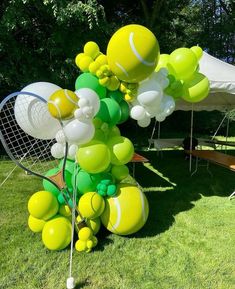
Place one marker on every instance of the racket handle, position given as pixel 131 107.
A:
pixel 70 283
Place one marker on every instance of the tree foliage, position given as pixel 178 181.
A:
pixel 39 39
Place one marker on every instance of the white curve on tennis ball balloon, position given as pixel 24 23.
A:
pixel 118 207
pixel 134 50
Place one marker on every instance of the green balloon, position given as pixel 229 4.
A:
pixel 175 87
pixel 110 111
pixel 125 111
pixel 69 165
pixel 93 157
pixel 122 150
pixel 87 80
pixel 116 95
pixel 114 131
pixel 48 186
pixel 197 89
pixel 99 135
pixel 120 172
pixel 86 182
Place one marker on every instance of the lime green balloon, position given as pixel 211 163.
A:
pixel 163 60
pixel 122 150
pixel 87 80
pixel 94 157
pixel 87 182
pixel 56 234
pixel 120 172
pixel 197 51
pixel 110 111
pixel 97 122
pixel 48 186
pixel 125 111
pixel 175 87
pixel 35 225
pixel 43 205
pixel 99 135
pixel 197 89
pixel 114 131
pixel 182 63
pixel 117 95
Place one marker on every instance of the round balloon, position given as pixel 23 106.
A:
pixel 122 150
pixel 56 234
pixel 94 157
pixel 92 98
pixel 197 89
pixel 128 58
pixel 86 182
pixel 110 111
pixel 32 114
pixel 125 111
pixel 163 60
pixel 87 80
pixel 182 63
pixel 91 205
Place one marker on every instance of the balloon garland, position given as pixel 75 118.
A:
pixel 131 80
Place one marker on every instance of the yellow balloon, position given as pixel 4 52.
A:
pixel 163 60
pixel 85 62
pixel 197 89
pixel 36 225
pixel 127 212
pixel 62 104
pixel 56 234
pixel 78 58
pixel 133 53
pixel 197 51
pixel 85 234
pixel 43 205
pixel 65 211
pixel 91 205
pixel 91 49
pixel 93 224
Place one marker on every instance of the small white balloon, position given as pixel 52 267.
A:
pixel 78 114
pixel 168 104
pixel 83 102
pixel 137 112
pixel 91 96
pixel 57 151
pixel 79 132
pixel 60 137
pixel 88 111
pixel 144 122
pixel 160 117
pixel 72 151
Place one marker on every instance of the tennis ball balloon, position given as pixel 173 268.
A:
pixel 94 157
pixel 127 212
pixel 62 104
pixel 56 234
pixel 35 225
pixel 122 150
pixel 133 53
pixel 91 205
pixel 43 205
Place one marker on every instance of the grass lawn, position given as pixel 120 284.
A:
pixel 187 242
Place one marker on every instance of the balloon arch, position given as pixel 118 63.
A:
pixel 131 80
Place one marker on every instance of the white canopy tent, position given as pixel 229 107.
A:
pixel 222 90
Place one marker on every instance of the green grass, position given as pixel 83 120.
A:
pixel 187 242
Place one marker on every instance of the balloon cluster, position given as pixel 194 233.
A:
pixel 132 79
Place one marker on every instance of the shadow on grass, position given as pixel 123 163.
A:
pixel 170 189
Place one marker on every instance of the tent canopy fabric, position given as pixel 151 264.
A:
pixel 222 86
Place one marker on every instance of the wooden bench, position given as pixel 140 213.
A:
pixel 218 158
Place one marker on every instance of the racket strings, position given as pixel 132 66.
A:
pixel 32 153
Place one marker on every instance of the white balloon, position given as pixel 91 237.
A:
pixel 91 96
pixel 149 84
pixel 78 114
pixel 160 117
pixel 151 97
pixel 72 151
pixel 88 111
pixel 32 115
pixel 83 102
pixel 57 151
pixel 79 132
pixel 144 122
pixel 137 112
pixel 60 137
pixel 168 104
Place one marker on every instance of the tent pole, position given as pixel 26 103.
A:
pixel 152 135
pixel 159 130
pixel 219 126
pixel 227 129
pixel 191 140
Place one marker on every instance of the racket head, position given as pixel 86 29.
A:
pixel 28 151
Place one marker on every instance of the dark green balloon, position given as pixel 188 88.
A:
pixel 110 111
pixel 116 95
pixel 87 80
pixel 125 111
pixel 86 182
